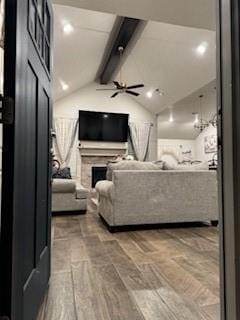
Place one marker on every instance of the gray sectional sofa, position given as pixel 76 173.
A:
pixel 143 197
pixel 68 196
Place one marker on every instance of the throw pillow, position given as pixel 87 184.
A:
pixel 186 167
pixel 131 165
pixel 62 173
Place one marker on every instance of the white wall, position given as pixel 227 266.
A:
pixel 199 143
pixel 183 127
pixel 197 146
pixel 182 111
pixel 88 98
pixel 178 145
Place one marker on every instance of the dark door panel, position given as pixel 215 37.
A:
pixel 26 194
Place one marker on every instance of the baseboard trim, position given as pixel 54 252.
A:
pixel 126 228
pixel 69 213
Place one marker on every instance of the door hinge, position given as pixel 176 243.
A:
pixel 6 110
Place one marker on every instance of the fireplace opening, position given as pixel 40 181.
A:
pixel 98 174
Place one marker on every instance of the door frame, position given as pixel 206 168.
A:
pixel 228 68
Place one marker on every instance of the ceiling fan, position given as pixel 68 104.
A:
pixel 121 86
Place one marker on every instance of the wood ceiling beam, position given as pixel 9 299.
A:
pixel 122 35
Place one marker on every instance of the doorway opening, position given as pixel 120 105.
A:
pixel 164 179
pixel 142 243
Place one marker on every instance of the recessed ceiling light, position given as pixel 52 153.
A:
pixel 67 28
pixel 159 92
pixel 149 94
pixel 171 119
pixel 64 85
pixel 202 48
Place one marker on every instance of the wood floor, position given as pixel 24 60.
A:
pixel 169 274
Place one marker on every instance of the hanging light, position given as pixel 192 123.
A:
pixel 196 117
pixel 214 121
pixel 201 124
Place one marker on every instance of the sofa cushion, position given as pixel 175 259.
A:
pixel 81 192
pixel 63 186
pixel 186 167
pixel 132 165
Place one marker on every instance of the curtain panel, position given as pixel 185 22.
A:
pixel 64 141
pixel 140 136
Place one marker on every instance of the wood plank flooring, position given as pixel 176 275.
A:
pixel 169 274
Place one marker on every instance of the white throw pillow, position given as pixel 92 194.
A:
pixel 132 165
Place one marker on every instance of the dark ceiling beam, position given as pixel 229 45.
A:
pixel 122 34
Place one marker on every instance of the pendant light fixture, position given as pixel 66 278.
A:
pixel 201 124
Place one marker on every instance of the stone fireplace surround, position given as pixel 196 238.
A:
pixel 97 155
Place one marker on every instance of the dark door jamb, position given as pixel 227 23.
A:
pixel 229 155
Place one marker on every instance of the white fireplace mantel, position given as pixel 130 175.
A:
pixel 97 154
pixel 104 149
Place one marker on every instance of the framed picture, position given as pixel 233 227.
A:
pixel 210 144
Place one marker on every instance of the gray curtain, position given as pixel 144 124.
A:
pixel 140 136
pixel 66 132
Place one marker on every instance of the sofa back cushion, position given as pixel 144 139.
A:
pixel 186 167
pixel 132 165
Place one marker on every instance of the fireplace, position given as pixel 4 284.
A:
pixel 97 155
pixel 98 174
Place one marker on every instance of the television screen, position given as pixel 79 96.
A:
pixel 102 126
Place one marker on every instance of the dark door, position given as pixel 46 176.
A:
pixel 26 197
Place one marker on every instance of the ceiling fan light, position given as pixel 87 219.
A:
pixel 149 94
pixel 160 93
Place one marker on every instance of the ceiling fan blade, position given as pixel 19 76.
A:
pixel 133 93
pixel 117 84
pixel 106 89
pixel 115 94
pixel 136 86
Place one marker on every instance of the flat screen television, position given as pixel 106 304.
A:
pixel 103 126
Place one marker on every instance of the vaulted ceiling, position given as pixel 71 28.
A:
pixel 164 56
pixel 182 126
pixel 190 13
pixel 78 55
